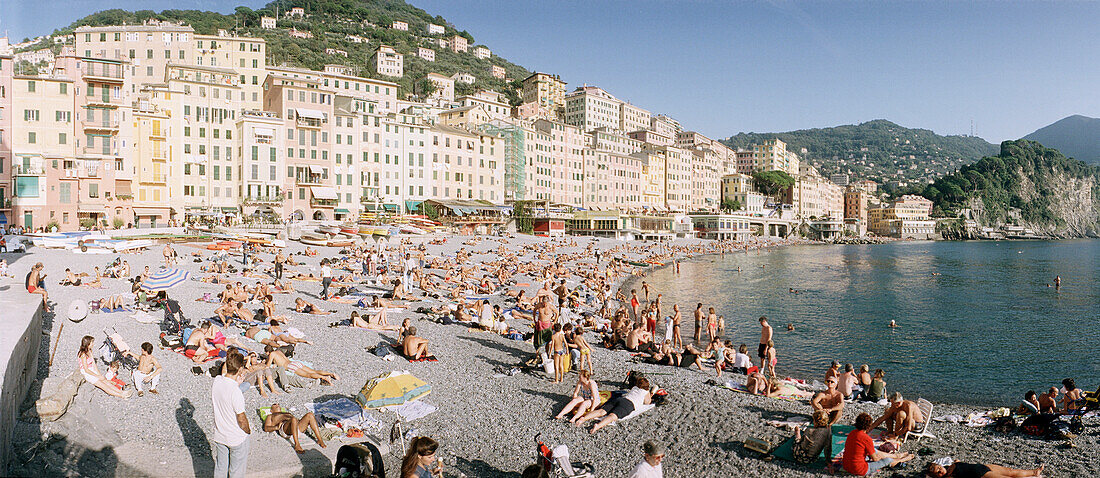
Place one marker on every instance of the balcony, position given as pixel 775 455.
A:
pixel 155 179
pixel 98 151
pixel 107 126
pixel 263 200
pixel 326 203
pixel 103 72
pixel 28 169
pixel 308 179
pixel 100 100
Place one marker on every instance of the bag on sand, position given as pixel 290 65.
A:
pixel 359 460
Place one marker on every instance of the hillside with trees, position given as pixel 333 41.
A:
pixel 1026 184
pixel 331 22
pixel 877 150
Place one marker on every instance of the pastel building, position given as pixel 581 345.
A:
pixel 7 70
pixel 458 44
pixel 245 55
pixel 427 54
pixel 773 156
pixel 482 52
pixel 387 61
pixel 148 48
pixel 546 91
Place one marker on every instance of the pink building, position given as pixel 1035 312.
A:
pixel 6 71
pixel 307 111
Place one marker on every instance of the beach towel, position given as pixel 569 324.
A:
pixel 143 317
pixel 218 321
pixel 790 393
pixel 638 411
pixel 410 411
pixel 426 358
pixel 840 434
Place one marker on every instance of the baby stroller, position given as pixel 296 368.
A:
pixel 174 320
pixel 359 460
pixel 556 462
pixel 114 348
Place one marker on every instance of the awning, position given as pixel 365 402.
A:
pixel 263 131
pixel 341 210
pixel 323 192
pixel 229 209
pixel 389 207
pixel 315 169
pixel 3 218
pixel 85 210
pixel 412 205
pixel 122 188
pixel 308 113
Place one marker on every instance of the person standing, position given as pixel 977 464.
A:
pixel 231 429
pixel 279 260
pixel 650 466
pixel 698 322
pixel 326 278
pixel 765 337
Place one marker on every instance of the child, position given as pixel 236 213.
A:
pixel 148 370
pixel 112 376
pixel 585 350
pixel 556 348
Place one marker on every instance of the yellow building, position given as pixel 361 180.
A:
pixel 248 56
pixel 653 179
pixel 545 90
pixel 153 204
pixel 773 156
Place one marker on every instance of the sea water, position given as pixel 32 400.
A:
pixel 977 321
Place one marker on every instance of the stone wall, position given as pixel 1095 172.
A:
pixel 20 342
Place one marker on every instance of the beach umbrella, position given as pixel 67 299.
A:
pixel 393 388
pixel 164 279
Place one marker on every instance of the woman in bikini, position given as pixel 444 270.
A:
pixel 87 366
pixel 586 397
pixel 304 307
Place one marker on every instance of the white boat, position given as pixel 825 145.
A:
pixel 410 229
pixel 132 245
pixel 330 230
pixel 314 240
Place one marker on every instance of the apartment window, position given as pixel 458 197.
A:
pixel 149 55
pixel 93 190
pixel 62 138
pixel 31 138
pixel 149 70
pixel 271 152
pixel 30 86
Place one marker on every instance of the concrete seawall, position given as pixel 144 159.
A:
pixel 20 342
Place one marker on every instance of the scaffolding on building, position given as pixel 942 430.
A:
pixel 515 162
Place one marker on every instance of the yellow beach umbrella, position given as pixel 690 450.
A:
pixel 393 388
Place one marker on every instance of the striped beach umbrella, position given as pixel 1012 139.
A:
pixel 164 279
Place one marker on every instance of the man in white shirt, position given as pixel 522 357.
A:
pixel 650 467
pixel 410 265
pixel 326 278
pixel 231 428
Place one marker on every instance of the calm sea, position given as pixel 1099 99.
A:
pixel 978 324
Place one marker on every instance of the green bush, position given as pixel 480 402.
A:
pixel 118 223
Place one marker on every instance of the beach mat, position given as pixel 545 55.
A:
pixel 840 434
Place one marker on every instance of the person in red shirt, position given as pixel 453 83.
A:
pixel 860 456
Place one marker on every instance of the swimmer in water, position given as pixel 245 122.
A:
pixel 1057 282
pixel 893 324
pixel 790 327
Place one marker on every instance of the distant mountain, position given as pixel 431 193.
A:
pixel 878 150
pixel 337 24
pixel 1075 136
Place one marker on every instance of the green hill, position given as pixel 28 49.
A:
pixel 1026 184
pixel 330 22
pixel 877 150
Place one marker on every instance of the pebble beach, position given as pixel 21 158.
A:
pixel 486 421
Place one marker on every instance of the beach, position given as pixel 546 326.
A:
pixel 486 421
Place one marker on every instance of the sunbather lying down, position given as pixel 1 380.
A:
pixel 304 307
pixel 276 357
pixel 287 426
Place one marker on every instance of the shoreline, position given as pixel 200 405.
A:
pixel 485 421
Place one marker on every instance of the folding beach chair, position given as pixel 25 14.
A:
pixel 921 430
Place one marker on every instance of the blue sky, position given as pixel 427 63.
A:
pixel 721 67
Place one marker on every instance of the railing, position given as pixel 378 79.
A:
pixel 156 178
pixel 111 124
pixel 323 202
pixel 104 100
pixel 98 151
pixel 29 170
pixel 101 70
pixel 308 179
pixel 255 200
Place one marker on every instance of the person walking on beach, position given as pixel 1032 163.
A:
pixel 326 278
pixel 698 322
pixel 169 255
pixel 765 337
pixel 650 466
pixel 231 429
